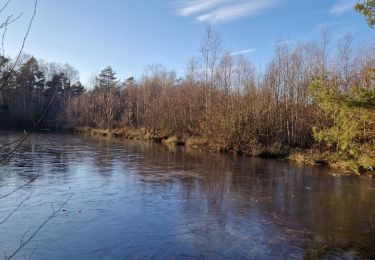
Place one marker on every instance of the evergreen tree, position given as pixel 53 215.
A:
pixel 28 102
pixel 367 8
pixel 77 88
pixel 107 78
pixel 352 132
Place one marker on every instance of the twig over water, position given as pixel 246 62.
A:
pixel 24 243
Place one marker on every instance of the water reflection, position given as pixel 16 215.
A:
pixel 143 200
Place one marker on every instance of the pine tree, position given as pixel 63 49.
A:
pixel 367 8
pixel 107 78
pixel 352 132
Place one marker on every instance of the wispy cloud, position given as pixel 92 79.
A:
pixel 342 6
pixel 296 41
pixel 214 11
pixel 241 52
pixel 199 6
pixel 324 26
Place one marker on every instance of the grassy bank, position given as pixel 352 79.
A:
pixel 311 156
pixel 329 159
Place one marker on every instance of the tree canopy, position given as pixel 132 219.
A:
pixel 367 8
pixel 352 131
pixel 107 78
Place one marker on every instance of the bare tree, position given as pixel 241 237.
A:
pixel 209 50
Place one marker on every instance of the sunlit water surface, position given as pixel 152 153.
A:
pixel 64 196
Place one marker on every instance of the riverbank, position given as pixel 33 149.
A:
pixel 308 156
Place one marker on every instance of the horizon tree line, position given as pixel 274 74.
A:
pixel 221 101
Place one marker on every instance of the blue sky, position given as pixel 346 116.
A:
pixel 131 34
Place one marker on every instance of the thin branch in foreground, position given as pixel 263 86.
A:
pixel 20 187
pixel 9 21
pixel 4 6
pixel 13 211
pixel 7 157
pixel 5 25
pixel 54 214
pixel 32 253
pixel 22 47
pixel 3 146
pixel 24 235
pixel 3 39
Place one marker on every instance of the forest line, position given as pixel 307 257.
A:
pixel 315 95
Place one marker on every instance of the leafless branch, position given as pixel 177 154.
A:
pixel 20 187
pixel 32 253
pixel 3 39
pixel 22 47
pixel 24 235
pixel 3 146
pixel 6 158
pixel 10 20
pixel 13 211
pixel 5 25
pixel 4 6
pixel 24 243
pixel 53 208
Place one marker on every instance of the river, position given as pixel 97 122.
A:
pixel 66 196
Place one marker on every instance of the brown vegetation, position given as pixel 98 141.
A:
pixel 222 103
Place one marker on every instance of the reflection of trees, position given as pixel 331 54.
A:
pixel 302 201
pixel 222 200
